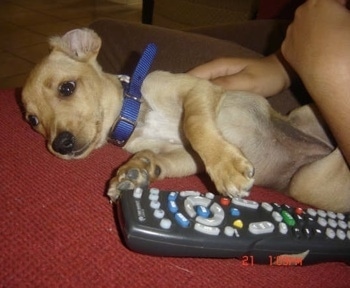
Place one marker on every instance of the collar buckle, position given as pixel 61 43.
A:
pixel 122 121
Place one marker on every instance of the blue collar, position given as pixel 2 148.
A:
pixel 127 119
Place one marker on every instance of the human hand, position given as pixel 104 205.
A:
pixel 264 76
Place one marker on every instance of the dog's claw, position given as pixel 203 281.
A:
pixel 250 172
pixel 116 188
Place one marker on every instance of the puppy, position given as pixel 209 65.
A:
pixel 185 125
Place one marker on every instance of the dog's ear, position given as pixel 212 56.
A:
pixel 80 44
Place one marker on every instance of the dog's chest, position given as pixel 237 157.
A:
pixel 159 125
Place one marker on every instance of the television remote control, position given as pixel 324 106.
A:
pixel 192 224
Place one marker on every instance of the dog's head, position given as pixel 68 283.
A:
pixel 69 99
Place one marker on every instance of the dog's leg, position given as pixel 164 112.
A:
pixel 228 168
pixel 147 166
pixel 324 183
pixel 308 119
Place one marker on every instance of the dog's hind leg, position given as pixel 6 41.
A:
pixel 308 119
pixel 324 183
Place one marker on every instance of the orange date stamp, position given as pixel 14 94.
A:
pixel 281 260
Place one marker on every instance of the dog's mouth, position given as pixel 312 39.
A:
pixel 66 146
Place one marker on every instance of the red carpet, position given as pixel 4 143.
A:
pixel 57 226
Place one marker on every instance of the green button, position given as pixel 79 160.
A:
pixel 287 218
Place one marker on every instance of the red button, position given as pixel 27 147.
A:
pixel 299 211
pixel 225 201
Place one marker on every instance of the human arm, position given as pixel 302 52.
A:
pixel 317 46
pixel 265 76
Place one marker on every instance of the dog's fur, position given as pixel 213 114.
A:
pixel 185 125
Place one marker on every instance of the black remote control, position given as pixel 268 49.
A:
pixel 192 224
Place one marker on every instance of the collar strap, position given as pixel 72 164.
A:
pixel 127 119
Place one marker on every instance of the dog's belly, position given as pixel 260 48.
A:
pixel 276 148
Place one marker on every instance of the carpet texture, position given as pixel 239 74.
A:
pixel 57 227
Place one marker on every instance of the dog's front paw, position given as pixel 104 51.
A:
pixel 139 171
pixel 232 174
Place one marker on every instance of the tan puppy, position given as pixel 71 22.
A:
pixel 193 126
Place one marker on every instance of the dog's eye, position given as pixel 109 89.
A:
pixel 67 88
pixel 33 120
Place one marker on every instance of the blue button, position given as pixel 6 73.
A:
pixel 172 206
pixel 172 196
pixel 203 211
pixel 235 212
pixel 182 220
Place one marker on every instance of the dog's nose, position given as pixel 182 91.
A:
pixel 64 143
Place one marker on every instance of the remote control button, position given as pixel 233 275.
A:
pixel 262 227
pixel 307 233
pixel 210 195
pixel 198 200
pixel 189 208
pixel 203 211
pixel 299 219
pixel 311 212
pixel 299 211
pixel 172 206
pixel 238 223
pixel 268 207
pixel 245 203
pixel 332 223
pixel 154 204
pixel 342 224
pixel 182 220
pixel 229 231
pixel 322 221
pixel 165 223
pixel 206 229
pixel 235 212
pixel 154 191
pixel 283 228
pixel 340 216
pixel 172 196
pixel 330 233
pixel 217 210
pixel 137 193
pixel 321 213
pixel 341 234
pixel 189 193
pixel 296 232
pixel 348 234
pixel 287 218
pixel 225 201
pixel 216 220
pixel 159 213
pixel 310 220
pixel 318 232
pixel 153 197
pixel 331 214
pixel 277 216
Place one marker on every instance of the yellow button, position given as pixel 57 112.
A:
pixel 238 224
